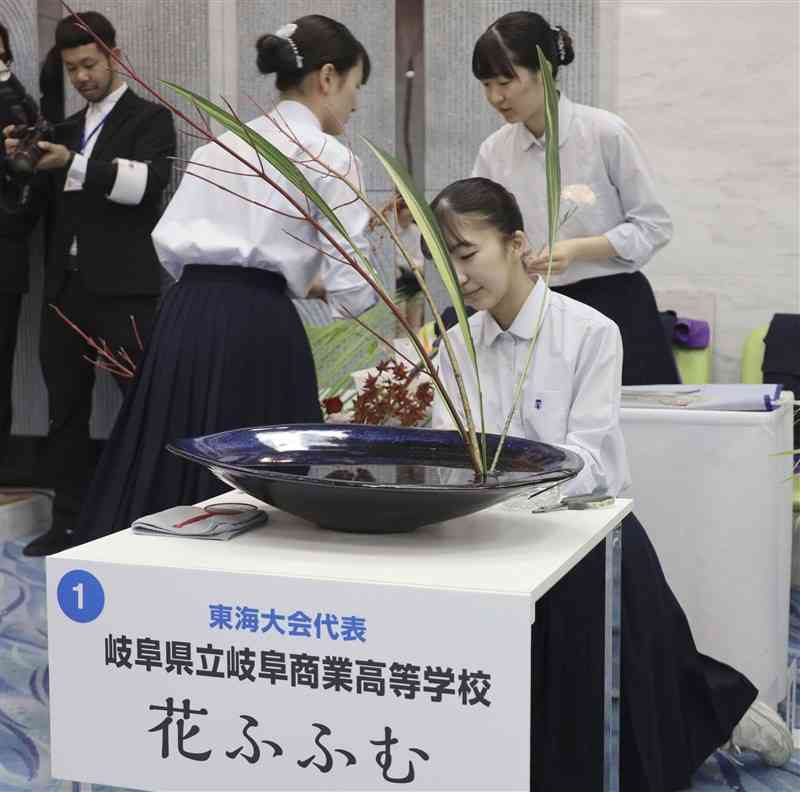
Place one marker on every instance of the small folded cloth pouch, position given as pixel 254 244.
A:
pixel 214 521
pixel 687 333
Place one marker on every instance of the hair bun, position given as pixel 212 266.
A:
pixel 564 50
pixel 275 54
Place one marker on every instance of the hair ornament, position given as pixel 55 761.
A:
pixel 286 32
pixel 562 49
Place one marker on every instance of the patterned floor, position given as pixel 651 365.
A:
pixel 24 695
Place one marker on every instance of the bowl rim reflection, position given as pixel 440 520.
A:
pixel 572 461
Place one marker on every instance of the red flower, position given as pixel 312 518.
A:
pixel 392 397
pixel 332 405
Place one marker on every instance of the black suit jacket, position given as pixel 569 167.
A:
pixel 115 252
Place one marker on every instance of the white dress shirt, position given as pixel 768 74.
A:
pixel 206 225
pixel 571 397
pixel 131 180
pixel 596 148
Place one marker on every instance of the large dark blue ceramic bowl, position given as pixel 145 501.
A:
pixel 373 479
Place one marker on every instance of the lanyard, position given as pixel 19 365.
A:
pixel 85 140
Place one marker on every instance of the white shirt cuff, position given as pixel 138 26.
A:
pixel 130 183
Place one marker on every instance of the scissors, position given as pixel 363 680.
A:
pixel 577 503
pixel 214 509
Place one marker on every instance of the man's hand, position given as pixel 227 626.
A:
pixel 55 156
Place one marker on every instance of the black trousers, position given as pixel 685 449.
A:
pixel 9 319
pixel 66 460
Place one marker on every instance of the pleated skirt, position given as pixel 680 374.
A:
pixel 628 300
pixel 228 350
pixel 676 705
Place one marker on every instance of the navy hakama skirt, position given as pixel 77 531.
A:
pixel 676 705
pixel 228 350
pixel 628 300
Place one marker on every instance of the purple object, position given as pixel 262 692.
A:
pixel 691 333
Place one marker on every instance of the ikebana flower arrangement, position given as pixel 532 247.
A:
pixel 471 429
pixel 391 395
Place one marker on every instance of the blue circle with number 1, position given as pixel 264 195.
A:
pixel 81 596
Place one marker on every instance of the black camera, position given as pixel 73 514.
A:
pixel 30 127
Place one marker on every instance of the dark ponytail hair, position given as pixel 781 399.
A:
pixel 318 40
pixel 480 199
pixel 512 40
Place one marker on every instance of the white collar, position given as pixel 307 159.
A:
pixel 106 105
pixel 525 322
pixel 566 111
pixel 293 112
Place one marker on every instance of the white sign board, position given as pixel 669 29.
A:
pixel 178 679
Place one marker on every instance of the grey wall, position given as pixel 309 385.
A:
pixel 720 125
pixel 19 16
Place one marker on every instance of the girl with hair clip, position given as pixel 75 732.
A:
pixel 604 246
pixel 677 705
pixel 229 349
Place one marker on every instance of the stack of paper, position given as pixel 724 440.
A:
pixel 703 397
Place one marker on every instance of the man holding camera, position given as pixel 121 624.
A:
pixel 103 176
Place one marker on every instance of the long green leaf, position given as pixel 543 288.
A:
pixel 552 160
pixel 432 234
pixel 272 154
pixel 553 175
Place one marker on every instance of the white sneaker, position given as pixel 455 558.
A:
pixel 763 731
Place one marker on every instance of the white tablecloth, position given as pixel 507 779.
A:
pixel 717 505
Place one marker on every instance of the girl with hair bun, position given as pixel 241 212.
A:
pixel 229 349
pixel 603 247
pixel 676 705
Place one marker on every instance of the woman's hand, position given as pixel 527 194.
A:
pixel 596 248
pixel 564 253
pixel 394 207
pixel 316 291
